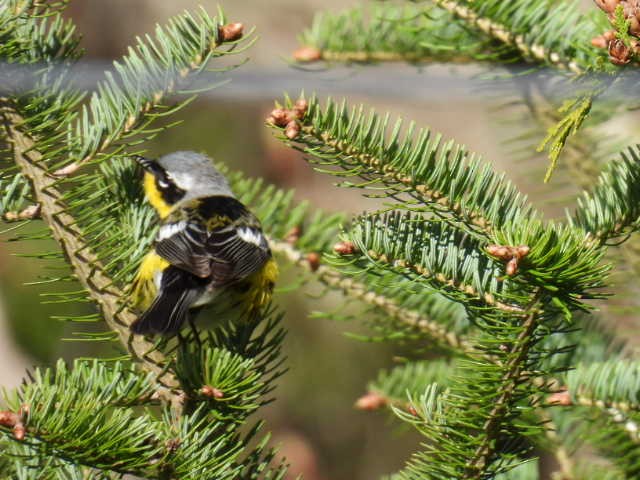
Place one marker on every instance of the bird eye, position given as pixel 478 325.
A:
pixel 162 184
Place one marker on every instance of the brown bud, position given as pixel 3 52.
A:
pixel 370 401
pixel 307 54
pixel 560 398
pixel 278 117
pixel 603 41
pixel 619 53
pixel 631 11
pixel 292 130
pixel 19 431
pixel 293 235
pixel 173 444
pixel 500 251
pixel 231 32
pixel 412 410
pixel 512 266
pixel 608 6
pixel 300 108
pixel 314 260
pixel 522 251
pixel 291 115
pixel 344 248
pixel 211 392
pixel 9 419
pixel 600 41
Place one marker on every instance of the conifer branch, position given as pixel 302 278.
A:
pixel 354 289
pixel 86 266
pixel 419 171
pixel 612 209
pixel 388 33
pixel 504 34
pixel 514 369
pixel 609 384
pixel 126 104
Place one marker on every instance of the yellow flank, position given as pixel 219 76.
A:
pixel 143 290
pixel 154 196
pixel 262 283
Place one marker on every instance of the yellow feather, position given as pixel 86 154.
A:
pixel 144 290
pixel 217 221
pixel 155 197
pixel 262 283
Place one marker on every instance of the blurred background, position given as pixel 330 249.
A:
pixel 313 418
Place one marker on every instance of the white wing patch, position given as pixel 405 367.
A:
pixel 250 235
pixel 170 229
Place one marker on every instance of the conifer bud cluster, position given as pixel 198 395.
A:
pixel 289 118
pixel 620 52
pixel 510 255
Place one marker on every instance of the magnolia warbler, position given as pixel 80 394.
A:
pixel 208 248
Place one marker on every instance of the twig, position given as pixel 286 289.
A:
pixel 382 56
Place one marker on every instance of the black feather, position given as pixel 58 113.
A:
pixel 170 309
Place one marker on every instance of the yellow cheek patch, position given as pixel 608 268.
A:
pixel 154 196
pixel 143 290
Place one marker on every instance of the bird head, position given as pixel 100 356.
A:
pixel 181 176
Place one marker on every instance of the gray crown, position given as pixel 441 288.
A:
pixel 195 174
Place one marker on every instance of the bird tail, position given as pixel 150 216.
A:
pixel 170 309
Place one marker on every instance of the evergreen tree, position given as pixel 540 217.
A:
pixel 514 361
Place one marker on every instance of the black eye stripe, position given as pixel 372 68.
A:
pixel 170 192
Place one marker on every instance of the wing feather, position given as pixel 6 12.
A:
pixel 170 309
pixel 224 254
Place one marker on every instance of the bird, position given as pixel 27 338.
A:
pixel 209 247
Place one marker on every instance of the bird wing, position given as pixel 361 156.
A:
pixel 223 242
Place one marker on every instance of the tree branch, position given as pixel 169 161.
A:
pixel 360 291
pixel 440 202
pixel 505 35
pixel 84 262
pixel 507 388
